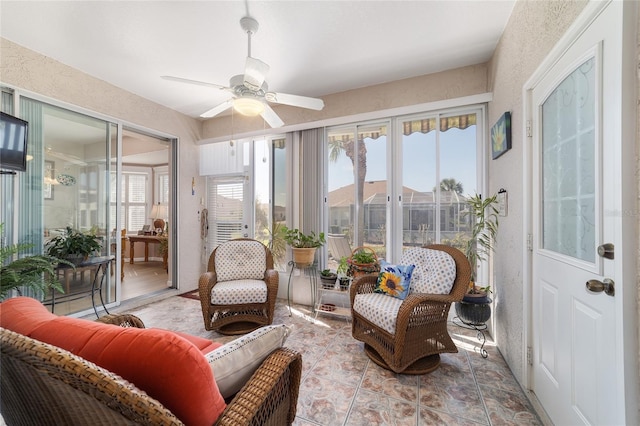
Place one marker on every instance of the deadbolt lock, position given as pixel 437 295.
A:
pixel 606 251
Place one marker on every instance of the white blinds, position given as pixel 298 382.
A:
pixel 222 158
pixel 226 198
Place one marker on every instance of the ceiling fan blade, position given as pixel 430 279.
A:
pixel 217 109
pixel 295 100
pixel 188 81
pixel 255 71
pixel 271 117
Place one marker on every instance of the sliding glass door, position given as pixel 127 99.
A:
pixel 391 190
pixel 67 185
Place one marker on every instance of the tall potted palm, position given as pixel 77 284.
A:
pixel 303 246
pixel 475 306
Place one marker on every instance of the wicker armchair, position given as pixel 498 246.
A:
pixel 45 385
pixel 420 332
pixel 238 292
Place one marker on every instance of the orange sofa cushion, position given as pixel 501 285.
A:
pixel 169 367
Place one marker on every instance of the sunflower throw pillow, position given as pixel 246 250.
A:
pixel 394 280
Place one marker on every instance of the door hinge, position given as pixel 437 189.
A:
pixel 529 355
pixel 530 242
pixel 529 133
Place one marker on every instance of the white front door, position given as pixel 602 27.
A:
pixel 578 373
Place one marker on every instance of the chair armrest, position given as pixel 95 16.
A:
pixel 206 283
pixel 123 320
pixel 362 285
pixel 271 394
pixel 271 275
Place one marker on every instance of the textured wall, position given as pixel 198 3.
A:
pixel 532 31
pixel 25 69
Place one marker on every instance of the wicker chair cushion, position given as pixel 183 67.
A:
pixel 240 260
pixel 394 280
pixel 239 292
pixel 166 366
pixel 235 362
pixel 381 310
pixel 435 270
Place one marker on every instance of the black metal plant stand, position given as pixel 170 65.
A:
pixel 473 316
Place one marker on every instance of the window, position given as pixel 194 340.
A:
pixel 133 198
pixel 394 190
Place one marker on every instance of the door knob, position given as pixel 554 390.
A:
pixel 606 285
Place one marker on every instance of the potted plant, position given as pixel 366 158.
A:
pixel 343 268
pixel 363 261
pixel 35 272
pixel 475 306
pixel 74 246
pixel 303 246
pixel 328 279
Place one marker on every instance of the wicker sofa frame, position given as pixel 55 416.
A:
pixel 421 326
pixel 239 318
pixel 46 385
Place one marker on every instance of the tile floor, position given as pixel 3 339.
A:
pixel 341 386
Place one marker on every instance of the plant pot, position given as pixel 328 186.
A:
pixel 344 283
pixel 476 298
pixel 328 281
pixel 76 259
pixel 474 313
pixel 303 257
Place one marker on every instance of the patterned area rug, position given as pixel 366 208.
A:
pixel 191 295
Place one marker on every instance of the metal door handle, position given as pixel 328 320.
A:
pixel 606 285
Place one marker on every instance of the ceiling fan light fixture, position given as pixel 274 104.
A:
pixel 249 107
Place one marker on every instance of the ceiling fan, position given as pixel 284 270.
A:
pixel 249 91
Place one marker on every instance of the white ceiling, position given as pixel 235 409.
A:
pixel 314 48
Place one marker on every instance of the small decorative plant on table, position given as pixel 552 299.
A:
pixel 303 246
pixel 74 246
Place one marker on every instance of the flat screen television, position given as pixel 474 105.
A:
pixel 13 143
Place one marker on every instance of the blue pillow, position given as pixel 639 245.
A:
pixel 394 280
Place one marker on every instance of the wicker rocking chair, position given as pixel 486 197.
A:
pixel 411 342
pixel 238 292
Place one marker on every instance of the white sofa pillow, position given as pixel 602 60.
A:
pixel 234 363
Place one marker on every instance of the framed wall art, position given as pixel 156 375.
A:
pixel 501 136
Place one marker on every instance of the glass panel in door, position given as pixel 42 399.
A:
pixel 568 164
pixel 72 192
pixel 341 194
pixel 225 217
pixel 371 188
pixel 419 177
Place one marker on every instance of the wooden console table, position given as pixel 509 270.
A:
pixel 146 239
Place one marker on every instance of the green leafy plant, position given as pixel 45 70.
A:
pixel 36 272
pixel 73 244
pixel 363 257
pixel 327 273
pixel 343 266
pixel 295 238
pixel 483 232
